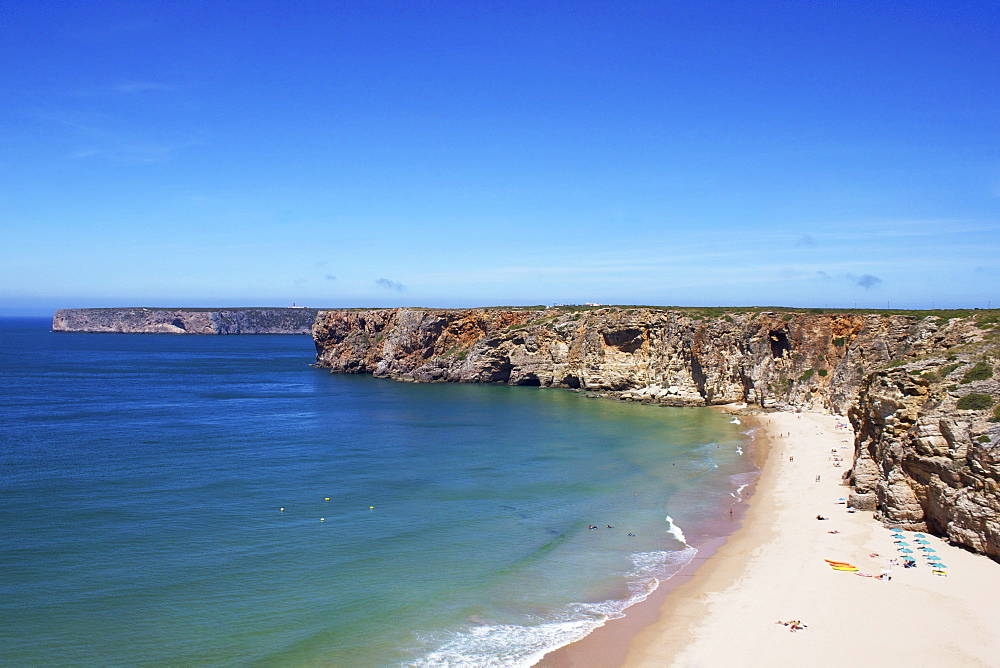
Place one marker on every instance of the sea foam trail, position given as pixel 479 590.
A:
pixel 515 646
pixel 675 531
pixel 742 481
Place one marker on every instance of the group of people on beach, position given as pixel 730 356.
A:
pixel 793 626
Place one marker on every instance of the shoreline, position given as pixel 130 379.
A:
pixel 609 644
pixel 772 569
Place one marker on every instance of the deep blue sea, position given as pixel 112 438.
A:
pixel 217 500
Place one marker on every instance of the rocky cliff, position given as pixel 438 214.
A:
pixel 186 321
pixel 927 447
pixel 923 461
pixel 767 358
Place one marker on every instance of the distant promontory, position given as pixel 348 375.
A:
pixel 141 320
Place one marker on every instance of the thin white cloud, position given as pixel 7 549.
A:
pixel 99 141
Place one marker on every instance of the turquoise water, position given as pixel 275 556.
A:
pixel 143 479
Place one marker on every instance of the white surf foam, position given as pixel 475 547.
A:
pixel 742 481
pixel 675 531
pixel 516 646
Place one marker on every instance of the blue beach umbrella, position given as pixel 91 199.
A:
pixel 902 543
pixel 927 549
pixel 905 549
pixel 933 557
pixel 919 535
pixel 921 541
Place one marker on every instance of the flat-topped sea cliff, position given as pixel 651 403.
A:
pixel 145 320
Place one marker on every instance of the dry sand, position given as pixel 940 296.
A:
pixel 773 569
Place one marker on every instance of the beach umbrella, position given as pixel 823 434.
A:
pixel 918 535
pixel 933 557
pixel 921 541
pixel 902 543
pixel 905 549
pixel 927 549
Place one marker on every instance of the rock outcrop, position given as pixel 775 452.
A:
pixel 186 321
pixel 921 462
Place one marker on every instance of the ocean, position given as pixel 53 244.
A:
pixel 218 500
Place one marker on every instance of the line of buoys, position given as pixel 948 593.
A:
pixel 323 519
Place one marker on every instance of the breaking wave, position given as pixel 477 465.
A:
pixel 513 645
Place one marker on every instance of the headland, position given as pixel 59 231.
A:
pixel 149 320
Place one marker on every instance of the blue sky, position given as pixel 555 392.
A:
pixel 457 154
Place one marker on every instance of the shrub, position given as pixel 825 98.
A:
pixel 975 402
pixel 996 415
pixel 788 317
pixel 823 372
pixel 984 439
pixel 839 341
pixel 807 375
pixel 982 371
pixel 948 368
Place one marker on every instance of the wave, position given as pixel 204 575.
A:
pixel 516 646
pixel 675 531
pixel 742 481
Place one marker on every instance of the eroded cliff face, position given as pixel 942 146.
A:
pixel 924 463
pixel 921 462
pixel 808 361
pixel 186 321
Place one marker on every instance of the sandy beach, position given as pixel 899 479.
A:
pixel 773 569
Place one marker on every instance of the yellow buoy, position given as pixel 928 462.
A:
pixel 327 499
pixel 322 519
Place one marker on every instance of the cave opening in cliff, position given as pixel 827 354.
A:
pixel 572 382
pixel 779 343
pixel 501 372
pixel 530 379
